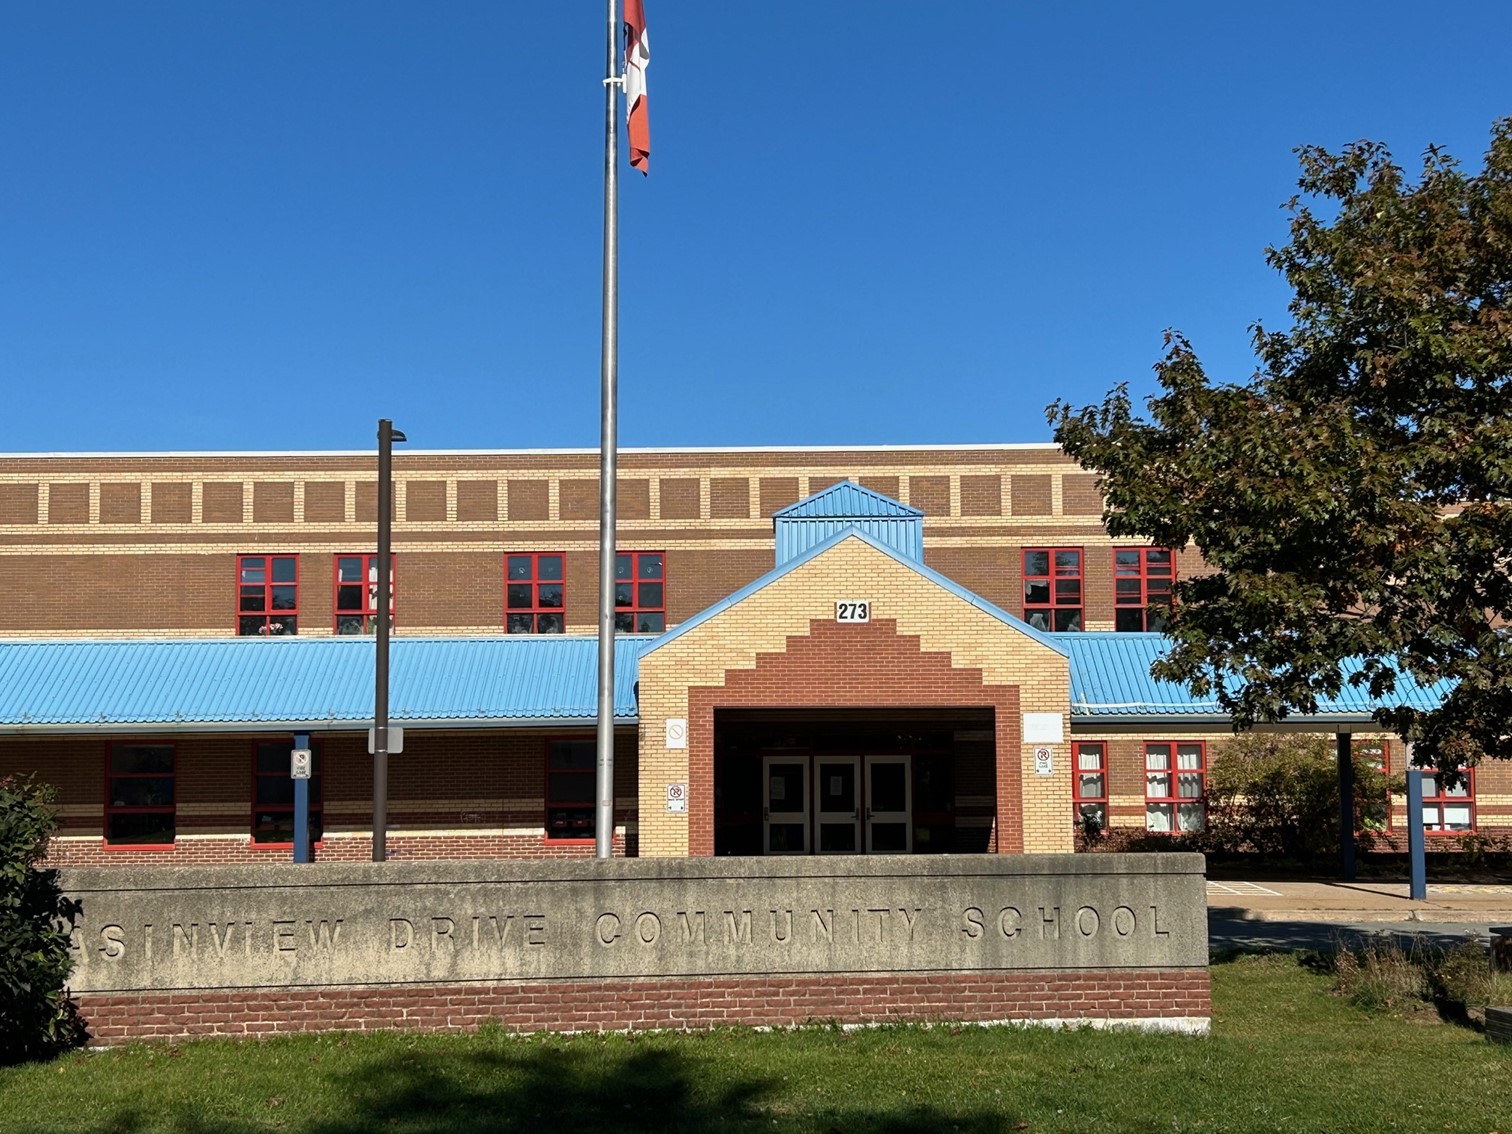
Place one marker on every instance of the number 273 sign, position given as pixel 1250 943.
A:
pixel 852 610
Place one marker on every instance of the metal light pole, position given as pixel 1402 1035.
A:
pixel 603 814
pixel 387 435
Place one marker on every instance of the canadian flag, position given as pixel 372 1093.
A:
pixel 637 59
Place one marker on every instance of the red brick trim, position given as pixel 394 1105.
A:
pixel 853 665
pixel 646 1003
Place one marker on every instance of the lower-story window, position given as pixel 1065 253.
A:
pixel 273 794
pixel 1175 787
pixel 1089 790
pixel 1448 810
pixel 139 795
pixel 571 769
pixel 1375 812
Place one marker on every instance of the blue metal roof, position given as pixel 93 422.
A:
pixel 1110 681
pixel 914 565
pixel 810 522
pixel 317 682
pixel 847 500
pixel 326 683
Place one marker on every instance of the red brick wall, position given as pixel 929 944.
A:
pixel 852 666
pixel 680 1002
pixel 449 795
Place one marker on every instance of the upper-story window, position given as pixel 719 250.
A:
pixel 535 593
pixel 640 592
pixel 1053 588
pixel 267 595
pixel 357 593
pixel 1141 576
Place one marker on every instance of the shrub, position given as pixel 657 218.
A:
pixel 1278 795
pixel 37 1018
pixel 1385 975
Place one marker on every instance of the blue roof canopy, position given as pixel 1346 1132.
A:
pixel 1111 682
pixel 251 684
pixel 318 683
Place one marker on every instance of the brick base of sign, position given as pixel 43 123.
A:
pixel 1165 999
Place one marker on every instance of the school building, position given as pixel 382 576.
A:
pixel 824 651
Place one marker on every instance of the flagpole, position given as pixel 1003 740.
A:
pixel 603 826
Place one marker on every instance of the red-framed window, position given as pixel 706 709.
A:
pixel 1175 787
pixel 1089 787
pixel 571 770
pixel 273 794
pixel 356 583
pixel 640 592
pixel 139 794
pixel 267 595
pixel 1448 810
pixel 1141 576
pixel 1375 814
pixel 535 593
pixel 1053 588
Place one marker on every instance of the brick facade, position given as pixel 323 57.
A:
pixel 146 546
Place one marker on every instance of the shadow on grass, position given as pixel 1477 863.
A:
pixel 523 1086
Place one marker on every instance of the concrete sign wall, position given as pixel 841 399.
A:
pixel 437 924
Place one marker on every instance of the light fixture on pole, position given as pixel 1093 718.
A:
pixel 387 435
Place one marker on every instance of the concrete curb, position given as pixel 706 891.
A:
pixel 1428 914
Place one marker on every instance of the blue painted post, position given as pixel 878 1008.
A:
pixel 1415 835
pixel 301 805
pixel 1346 803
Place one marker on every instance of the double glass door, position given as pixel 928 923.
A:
pixel 836 805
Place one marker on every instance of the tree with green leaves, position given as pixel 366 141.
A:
pixel 37 1017
pixel 1352 497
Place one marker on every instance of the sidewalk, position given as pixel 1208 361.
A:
pixel 1344 902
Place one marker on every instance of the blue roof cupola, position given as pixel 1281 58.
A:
pixel 810 522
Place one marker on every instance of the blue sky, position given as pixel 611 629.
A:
pixel 264 225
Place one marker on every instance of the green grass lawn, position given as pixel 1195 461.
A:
pixel 1286 1054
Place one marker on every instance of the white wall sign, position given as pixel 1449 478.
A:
pixel 395 738
pixel 853 610
pixel 1043 728
pixel 677 732
pixel 300 764
pixel 1044 761
pixel 677 797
